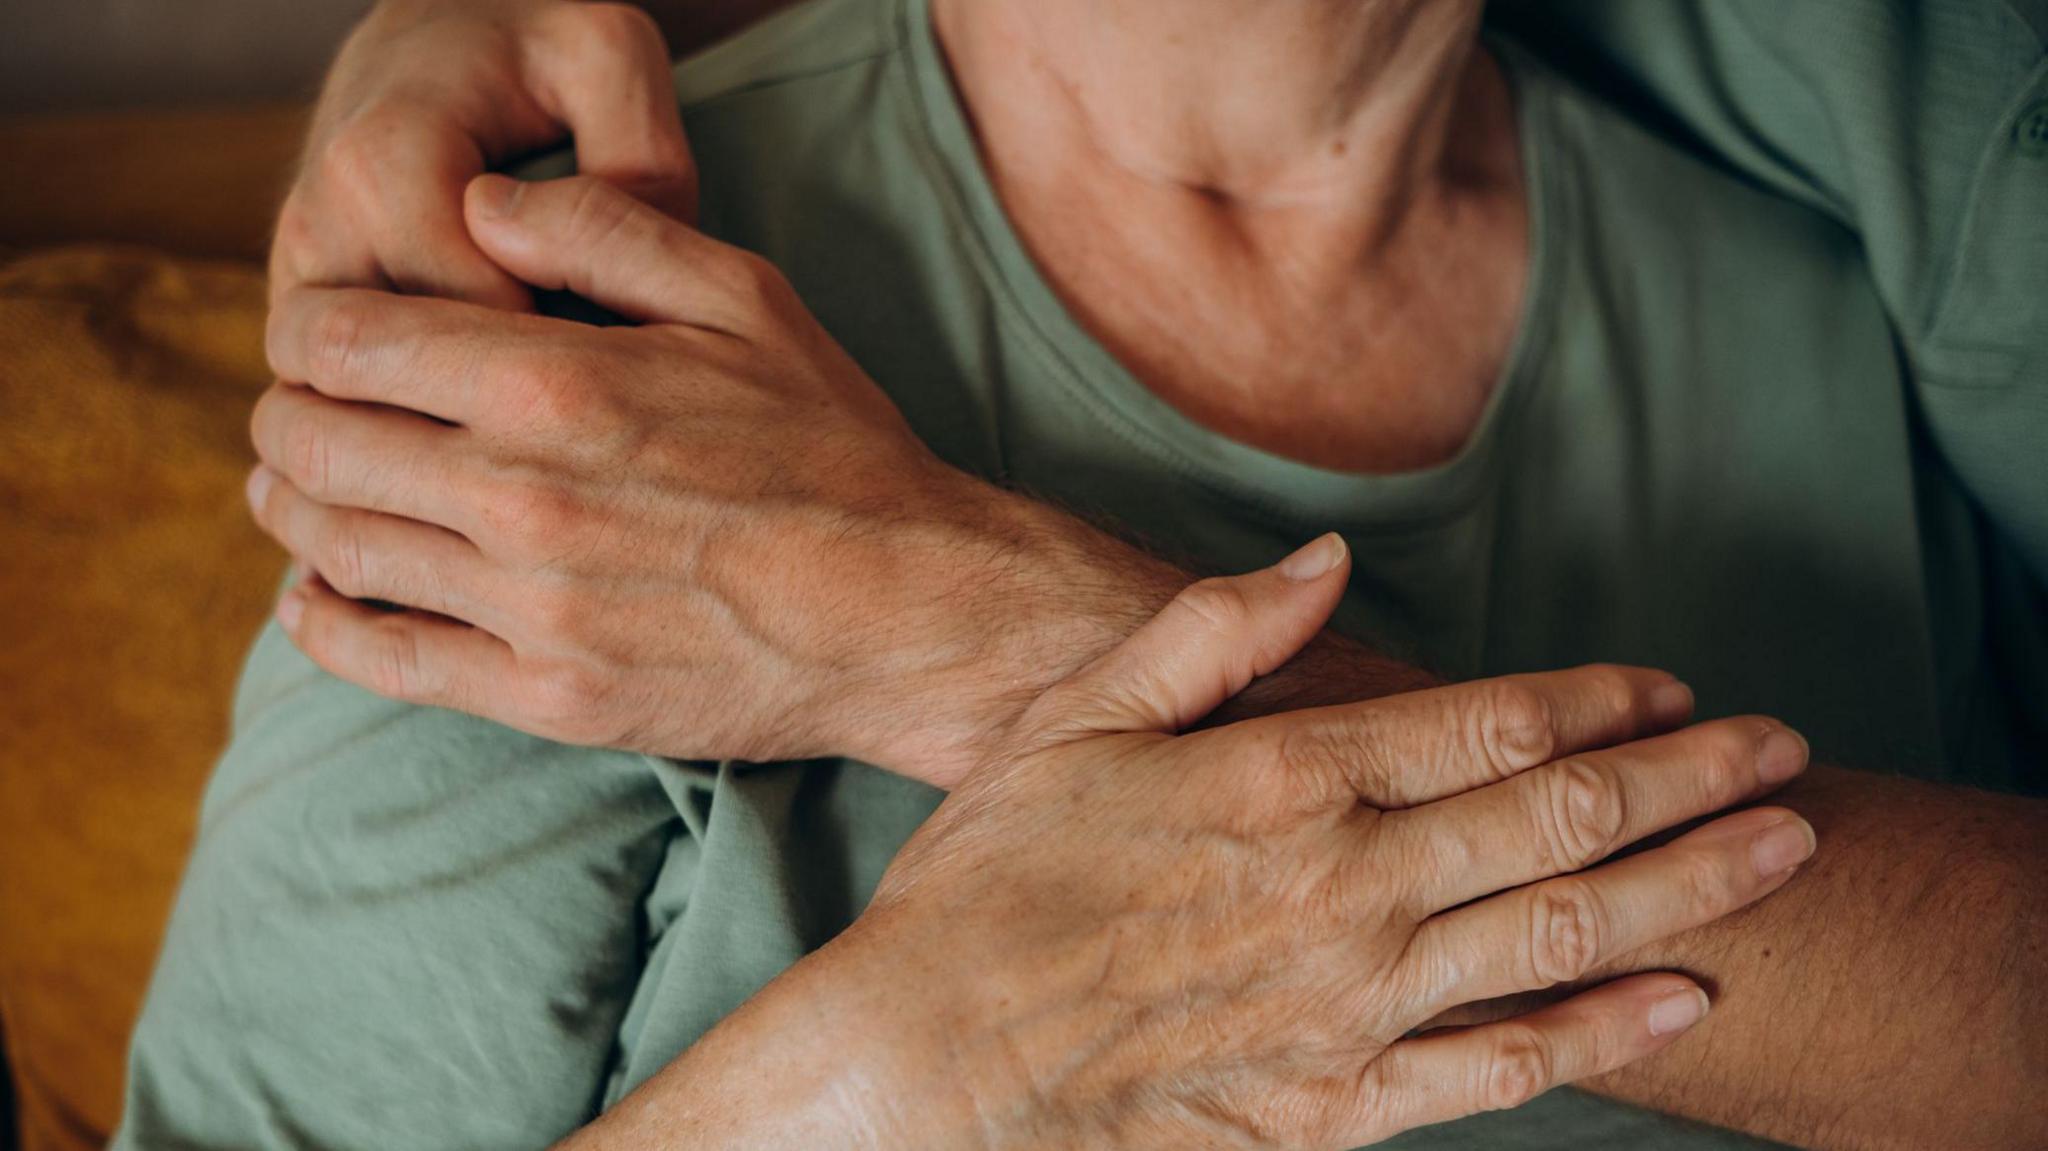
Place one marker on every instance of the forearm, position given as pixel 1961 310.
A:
pixel 1021 594
pixel 1887 998
pixel 721 1093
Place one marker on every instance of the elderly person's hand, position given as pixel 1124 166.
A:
pixel 428 93
pixel 1113 936
pixel 707 536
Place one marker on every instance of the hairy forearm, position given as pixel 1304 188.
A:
pixel 1025 594
pixel 1887 998
pixel 1883 999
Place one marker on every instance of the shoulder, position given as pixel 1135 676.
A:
pixel 1636 202
pixel 809 111
pixel 1913 122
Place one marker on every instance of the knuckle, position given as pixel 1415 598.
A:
pixel 560 615
pixel 1707 886
pixel 762 279
pixel 356 160
pixel 1516 1070
pixel 295 230
pixel 1611 688
pixel 609 29
pixel 1307 751
pixel 754 281
pixel 342 561
pixel 563 702
pixel 1728 756
pixel 1214 605
pixel 1517 726
pixel 549 394
pixel 305 456
pixel 1333 763
pixel 603 218
pixel 534 516
pixel 587 395
pixel 565 389
pixel 1565 933
pixel 1584 813
pixel 394 665
pixel 336 335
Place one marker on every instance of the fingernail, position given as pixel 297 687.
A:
pixel 1678 1011
pixel 289 609
pixel 258 487
pixel 495 195
pixel 1315 560
pixel 1670 702
pixel 1781 847
pixel 1780 756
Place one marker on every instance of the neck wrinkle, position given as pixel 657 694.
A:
pixel 1247 105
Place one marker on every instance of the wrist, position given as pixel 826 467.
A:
pixel 857 1066
pixel 1014 596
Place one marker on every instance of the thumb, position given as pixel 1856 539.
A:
pixel 1205 646
pixel 583 234
pixel 602 72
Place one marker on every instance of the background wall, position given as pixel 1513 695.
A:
pixel 99 55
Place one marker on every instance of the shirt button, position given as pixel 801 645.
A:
pixel 2030 131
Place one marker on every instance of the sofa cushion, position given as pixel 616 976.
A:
pixel 132 581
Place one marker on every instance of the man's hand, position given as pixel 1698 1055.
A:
pixel 707 536
pixel 1113 936
pixel 426 94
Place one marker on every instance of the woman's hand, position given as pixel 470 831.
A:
pixel 426 94
pixel 707 536
pixel 1114 936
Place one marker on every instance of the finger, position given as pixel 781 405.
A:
pixel 1204 646
pixel 1574 812
pixel 385 189
pixel 1445 1075
pixel 406 655
pixel 364 456
pixel 315 245
pixel 584 235
pixel 602 70
pixel 440 358
pixel 368 555
pixel 1407 749
pixel 1560 930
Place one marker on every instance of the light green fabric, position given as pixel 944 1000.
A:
pixel 1711 453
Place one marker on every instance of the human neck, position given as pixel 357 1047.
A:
pixel 1299 222
pixel 1250 104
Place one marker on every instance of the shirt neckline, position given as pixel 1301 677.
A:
pixel 1285 491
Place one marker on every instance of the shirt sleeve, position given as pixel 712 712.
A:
pixel 399 927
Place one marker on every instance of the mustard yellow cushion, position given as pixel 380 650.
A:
pixel 130 582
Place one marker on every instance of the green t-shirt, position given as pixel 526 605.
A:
pixel 1713 451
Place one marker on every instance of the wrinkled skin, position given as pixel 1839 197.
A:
pixel 707 536
pixel 1113 936
pixel 427 94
